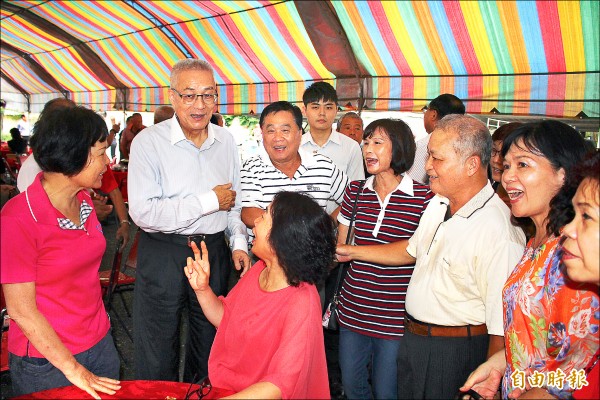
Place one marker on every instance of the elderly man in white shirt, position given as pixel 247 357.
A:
pixel 184 176
pixel 465 248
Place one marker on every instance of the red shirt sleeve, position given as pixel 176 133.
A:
pixel 109 182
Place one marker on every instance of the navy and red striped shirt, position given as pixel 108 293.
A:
pixel 372 295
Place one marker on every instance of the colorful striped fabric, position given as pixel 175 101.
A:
pixel 520 57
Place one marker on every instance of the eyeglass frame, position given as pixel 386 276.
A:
pixel 203 96
pixel 495 152
pixel 201 392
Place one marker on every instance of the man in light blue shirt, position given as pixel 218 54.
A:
pixel 184 175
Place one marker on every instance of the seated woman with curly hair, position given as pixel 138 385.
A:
pixel 269 341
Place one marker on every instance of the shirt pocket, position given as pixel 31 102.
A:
pixel 456 274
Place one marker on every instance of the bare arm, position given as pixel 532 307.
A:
pixel 249 215
pixel 384 254
pixel 260 390
pixel 334 214
pixel 123 232
pixel 198 274
pixel 534 393
pixel 342 233
pixel 21 305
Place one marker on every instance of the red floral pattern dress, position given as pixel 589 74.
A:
pixel 550 323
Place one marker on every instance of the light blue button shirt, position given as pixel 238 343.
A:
pixel 170 182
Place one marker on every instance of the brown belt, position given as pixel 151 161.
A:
pixel 423 329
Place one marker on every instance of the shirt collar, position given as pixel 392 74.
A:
pixel 405 185
pixel 42 211
pixel 84 212
pixel 477 202
pixel 177 134
pixel 334 137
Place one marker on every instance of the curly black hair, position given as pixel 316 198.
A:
pixel 563 147
pixel 302 237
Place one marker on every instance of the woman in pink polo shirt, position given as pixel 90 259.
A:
pixel 51 249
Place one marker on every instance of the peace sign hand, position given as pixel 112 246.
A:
pixel 198 270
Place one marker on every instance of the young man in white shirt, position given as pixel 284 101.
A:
pixel 320 108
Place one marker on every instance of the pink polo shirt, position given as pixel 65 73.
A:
pixel 63 264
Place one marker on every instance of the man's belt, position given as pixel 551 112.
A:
pixel 184 240
pixel 424 329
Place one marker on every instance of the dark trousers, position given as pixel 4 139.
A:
pixel 33 374
pixel 161 293
pixel 435 367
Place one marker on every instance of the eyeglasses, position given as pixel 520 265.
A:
pixel 495 152
pixel 207 98
pixel 199 393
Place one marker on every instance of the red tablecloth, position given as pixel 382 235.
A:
pixel 130 390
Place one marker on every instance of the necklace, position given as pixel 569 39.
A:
pixel 534 251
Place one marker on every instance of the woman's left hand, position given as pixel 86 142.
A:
pixel 198 270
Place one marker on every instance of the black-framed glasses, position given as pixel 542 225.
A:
pixel 495 152
pixel 207 98
pixel 199 393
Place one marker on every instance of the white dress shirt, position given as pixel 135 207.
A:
pixel 27 173
pixel 417 171
pixel 463 263
pixel 170 182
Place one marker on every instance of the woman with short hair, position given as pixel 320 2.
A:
pixel 52 247
pixel 371 310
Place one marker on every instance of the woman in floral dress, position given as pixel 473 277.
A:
pixel 580 250
pixel 550 323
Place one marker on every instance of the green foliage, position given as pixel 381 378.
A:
pixel 228 119
pixel 248 121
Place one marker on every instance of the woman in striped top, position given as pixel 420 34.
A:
pixel 371 311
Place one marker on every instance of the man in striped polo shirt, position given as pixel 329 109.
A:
pixel 285 166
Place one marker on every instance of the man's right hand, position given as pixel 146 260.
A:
pixel 102 209
pixel 226 196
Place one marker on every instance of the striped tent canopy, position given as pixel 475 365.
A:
pixel 519 57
